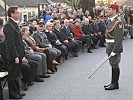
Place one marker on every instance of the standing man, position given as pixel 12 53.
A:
pixel 114 37
pixel 14 52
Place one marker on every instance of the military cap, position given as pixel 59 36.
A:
pixel 114 6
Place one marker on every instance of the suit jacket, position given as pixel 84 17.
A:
pixel 60 35
pixel 41 39
pixel 95 28
pixel 14 48
pixel 87 30
pixel 67 33
pixel 102 27
pixel 13 39
pixel 51 37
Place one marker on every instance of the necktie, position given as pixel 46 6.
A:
pixel 67 30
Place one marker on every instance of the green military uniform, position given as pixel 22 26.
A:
pixel 114 38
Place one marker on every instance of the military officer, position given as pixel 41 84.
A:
pixel 114 38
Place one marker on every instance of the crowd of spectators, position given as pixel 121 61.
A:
pixel 58 34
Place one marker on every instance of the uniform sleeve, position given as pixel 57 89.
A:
pixel 118 37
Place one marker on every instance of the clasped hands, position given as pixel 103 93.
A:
pixel 24 60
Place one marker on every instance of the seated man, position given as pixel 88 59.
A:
pixel 102 27
pixel 43 42
pixel 29 73
pixel 54 40
pixel 62 38
pixel 88 31
pixel 69 41
pixel 130 28
pixel 39 55
pixel 97 33
pixel 32 26
pixel 35 58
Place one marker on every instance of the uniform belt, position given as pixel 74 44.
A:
pixel 110 40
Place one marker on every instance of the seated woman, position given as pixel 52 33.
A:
pixel 79 35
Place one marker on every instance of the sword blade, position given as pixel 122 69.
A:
pixel 99 65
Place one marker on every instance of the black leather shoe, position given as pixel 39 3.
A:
pixel 30 83
pixel 44 76
pixel 103 46
pixel 89 51
pixel 112 86
pixel 25 87
pixel 56 69
pixel 38 79
pixel 22 94
pixel 107 85
pixel 75 54
pixel 15 97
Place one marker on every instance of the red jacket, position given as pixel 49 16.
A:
pixel 77 32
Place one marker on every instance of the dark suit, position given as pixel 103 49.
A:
pixel 88 31
pixel 68 35
pixel 60 35
pixel 14 49
pixel 102 27
pixel 96 31
pixel 29 71
pixel 52 38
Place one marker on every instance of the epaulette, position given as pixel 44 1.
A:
pixel 119 20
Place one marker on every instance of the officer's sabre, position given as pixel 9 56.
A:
pixel 99 65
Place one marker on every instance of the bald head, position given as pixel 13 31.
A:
pixel 86 21
pixel 66 22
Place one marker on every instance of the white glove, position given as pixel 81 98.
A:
pixel 113 54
